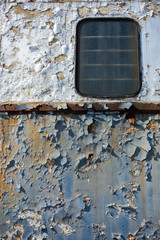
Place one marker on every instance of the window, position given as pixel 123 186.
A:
pixel 107 57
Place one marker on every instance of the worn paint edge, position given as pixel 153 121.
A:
pixel 79 107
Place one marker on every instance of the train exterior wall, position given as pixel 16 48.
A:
pixel 38 47
pixel 74 167
pixel 90 176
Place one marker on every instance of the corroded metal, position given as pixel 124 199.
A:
pixel 91 176
pixel 80 107
pixel 73 167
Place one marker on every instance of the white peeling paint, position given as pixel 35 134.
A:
pixel 35 35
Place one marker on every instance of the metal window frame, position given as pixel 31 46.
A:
pixel 76 70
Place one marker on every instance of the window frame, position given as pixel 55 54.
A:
pixel 77 56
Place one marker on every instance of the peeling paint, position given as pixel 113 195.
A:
pixel 79 176
pixel 18 10
pixel 81 108
pixel 83 11
pixel 60 75
pixel 106 9
pixel 38 42
pixel 61 58
pixel 74 167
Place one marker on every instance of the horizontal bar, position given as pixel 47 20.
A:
pixel 128 36
pixel 76 107
pixel 96 64
pixel 108 50
pixel 105 79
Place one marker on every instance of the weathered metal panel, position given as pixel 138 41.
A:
pixel 92 176
pixel 37 45
pixel 68 176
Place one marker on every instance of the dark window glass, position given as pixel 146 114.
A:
pixel 107 57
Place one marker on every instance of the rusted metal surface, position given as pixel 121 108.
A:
pixel 90 176
pixel 74 167
pixel 80 108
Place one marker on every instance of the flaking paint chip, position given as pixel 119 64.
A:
pixel 61 58
pixel 83 11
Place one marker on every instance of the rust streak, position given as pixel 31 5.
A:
pixel 2 182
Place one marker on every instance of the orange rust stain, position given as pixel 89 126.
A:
pixel 94 167
pixel 17 236
pixel 29 127
pixel 10 151
pixel 86 200
pixel 63 220
pixel 59 204
pixel 107 9
pixel 15 29
pixel 45 134
pixel 2 183
pixel 36 142
pixel 28 14
pixel 30 136
pixel 28 24
pixel 50 24
pixel 60 194
pixel 83 11
pixel 122 5
pixel 62 140
pixel 51 163
pixel 86 169
pixel 131 237
pixel 4 66
pixel 145 18
pixel 56 39
pixel 60 76
pixel 4 128
pixel 44 151
pixel 131 129
pixel 43 158
pixel 34 158
pixel 11 189
pixel 18 227
pixel 131 120
pixel 153 127
pixel 69 220
pixel 114 138
pixel 61 58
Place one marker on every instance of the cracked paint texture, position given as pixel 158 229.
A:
pixel 90 176
pixel 37 45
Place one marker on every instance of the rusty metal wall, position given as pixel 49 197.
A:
pixel 73 167
pixel 90 176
